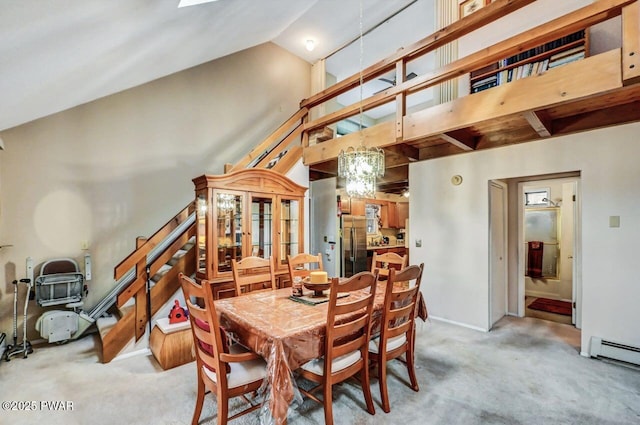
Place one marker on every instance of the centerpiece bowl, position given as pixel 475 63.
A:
pixel 317 288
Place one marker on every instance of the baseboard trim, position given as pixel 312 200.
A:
pixel 464 325
pixel 141 352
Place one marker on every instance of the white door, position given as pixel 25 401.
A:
pixel 497 252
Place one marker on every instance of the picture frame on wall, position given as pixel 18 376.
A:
pixel 467 7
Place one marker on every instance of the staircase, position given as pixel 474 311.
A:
pixel 124 316
pixel 155 263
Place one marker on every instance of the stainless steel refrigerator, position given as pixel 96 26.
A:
pixel 354 245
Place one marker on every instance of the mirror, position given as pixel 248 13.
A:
pixel 542 238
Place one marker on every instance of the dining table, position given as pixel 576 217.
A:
pixel 287 332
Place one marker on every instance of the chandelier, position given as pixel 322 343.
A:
pixel 361 166
pixel 226 201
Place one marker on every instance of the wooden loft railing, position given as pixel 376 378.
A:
pixel 457 122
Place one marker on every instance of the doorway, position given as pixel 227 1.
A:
pixel 548 223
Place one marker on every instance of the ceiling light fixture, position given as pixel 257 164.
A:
pixel 361 166
pixel 310 45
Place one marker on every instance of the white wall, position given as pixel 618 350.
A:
pixel 452 222
pixel 120 167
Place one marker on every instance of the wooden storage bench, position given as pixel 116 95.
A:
pixel 172 344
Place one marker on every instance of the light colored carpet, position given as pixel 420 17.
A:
pixel 526 371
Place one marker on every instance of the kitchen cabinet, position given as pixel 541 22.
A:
pixel 392 214
pixel 358 206
pixel 345 205
pixel 247 213
pixel 384 215
pixel 403 213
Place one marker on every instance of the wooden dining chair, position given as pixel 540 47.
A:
pixel 397 334
pixel 244 371
pixel 301 265
pixel 386 261
pixel 253 274
pixel 346 341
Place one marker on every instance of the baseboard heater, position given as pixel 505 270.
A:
pixel 614 350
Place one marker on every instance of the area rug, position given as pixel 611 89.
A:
pixel 551 306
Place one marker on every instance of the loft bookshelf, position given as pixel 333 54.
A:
pixel 534 61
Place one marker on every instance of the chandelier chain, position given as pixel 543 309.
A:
pixel 361 166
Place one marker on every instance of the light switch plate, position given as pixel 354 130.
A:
pixel 418 243
pixel 614 221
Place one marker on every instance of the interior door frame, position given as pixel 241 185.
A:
pixel 504 259
pixel 576 283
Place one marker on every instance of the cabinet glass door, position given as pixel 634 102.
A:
pixel 289 229
pixel 201 222
pixel 262 226
pixel 229 229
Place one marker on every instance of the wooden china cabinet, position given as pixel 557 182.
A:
pixel 249 212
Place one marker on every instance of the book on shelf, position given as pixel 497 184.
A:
pixel 566 59
pixel 489 79
pixel 543 66
pixel 568 52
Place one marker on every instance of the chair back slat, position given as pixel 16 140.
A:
pixel 301 265
pixel 389 260
pixel 251 272
pixel 205 327
pixel 349 318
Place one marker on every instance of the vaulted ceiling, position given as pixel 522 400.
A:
pixel 55 55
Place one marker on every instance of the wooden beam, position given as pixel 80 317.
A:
pixel 401 98
pixel 327 167
pixel 141 313
pixel 411 153
pixel 286 162
pixel 581 79
pixel 631 44
pixel 460 139
pixel 619 114
pixel 539 121
pixel 436 151
pixel 379 135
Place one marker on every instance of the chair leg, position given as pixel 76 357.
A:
pixel 366 387
pixel 223 408
pixel 327 401
pixel 382 382
pixel 199 401
pixel 411 368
